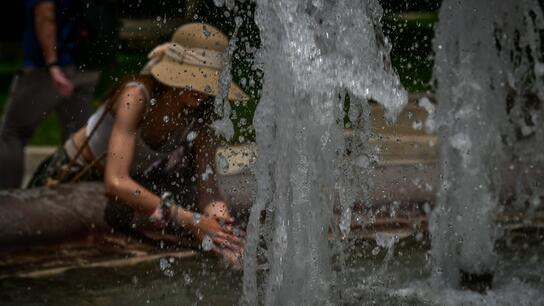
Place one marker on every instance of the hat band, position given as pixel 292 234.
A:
pixel 192 56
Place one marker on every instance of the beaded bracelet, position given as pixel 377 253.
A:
pixel 160 215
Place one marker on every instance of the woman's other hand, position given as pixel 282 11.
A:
pixel 218 209
pixel 62 84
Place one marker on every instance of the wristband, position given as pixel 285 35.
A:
pixel 166 200
pixel 157 218
pixel 161 215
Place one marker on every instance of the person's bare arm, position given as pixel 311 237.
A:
pixel 228 242
pixel 119 184
pixel 46 32
pixel 130 106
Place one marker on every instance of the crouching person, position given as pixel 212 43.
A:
pixel 152 145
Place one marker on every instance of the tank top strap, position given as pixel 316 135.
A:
pixel 140 86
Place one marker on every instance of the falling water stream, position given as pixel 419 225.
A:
pixel 489 84
pixel 314 53
pixel 488 77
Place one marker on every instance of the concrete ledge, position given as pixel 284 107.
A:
pixel 232 160
pixel 401 143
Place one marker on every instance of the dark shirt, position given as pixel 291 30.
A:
pixel 65 13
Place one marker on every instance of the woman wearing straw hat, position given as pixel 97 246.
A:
pixel 151 144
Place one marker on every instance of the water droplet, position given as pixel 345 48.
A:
pixel 207 243
pixel 238 21
pixel 376 251
pixel 166 267
pixel 167 198
pixel 199 295
pixel 187 279
pixel 223 163
pixel 417 125
pixel 362 161
pixel 196 218
pixel 153 101
pixel 360 220
pixel 137 193
pixel 165 119
pixel 163 264
pixel 191 136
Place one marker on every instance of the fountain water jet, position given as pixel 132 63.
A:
pixel 313 53
pixel 490 91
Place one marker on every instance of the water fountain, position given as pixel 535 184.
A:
pixel 314 53
pixel 318 56
pixel 486 70
pixel 488 74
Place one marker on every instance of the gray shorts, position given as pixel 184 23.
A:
pixel 31 98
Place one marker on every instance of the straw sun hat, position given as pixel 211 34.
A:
pixel 193 59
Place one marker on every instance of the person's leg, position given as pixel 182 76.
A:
pixel 31 98
pixel 74 111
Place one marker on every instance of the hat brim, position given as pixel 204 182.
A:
pixel 203 79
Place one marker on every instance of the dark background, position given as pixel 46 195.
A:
pixel 409 25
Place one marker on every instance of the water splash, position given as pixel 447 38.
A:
pixel 314 52
pixel 223 126
pixel 490 91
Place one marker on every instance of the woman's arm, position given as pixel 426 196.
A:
pixel 46 32
pixel 130 106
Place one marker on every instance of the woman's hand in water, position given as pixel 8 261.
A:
pixel 219 230
pixel 217 235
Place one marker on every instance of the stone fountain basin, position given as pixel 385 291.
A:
pixel 56 249
pixel 72 212
pixel 404 193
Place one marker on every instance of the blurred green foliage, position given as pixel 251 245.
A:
pixel 410 35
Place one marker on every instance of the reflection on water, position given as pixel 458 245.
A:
pixel 202 281
pixel 518 280
pixel 182 282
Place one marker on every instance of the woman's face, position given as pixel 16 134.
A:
pixel 192 98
